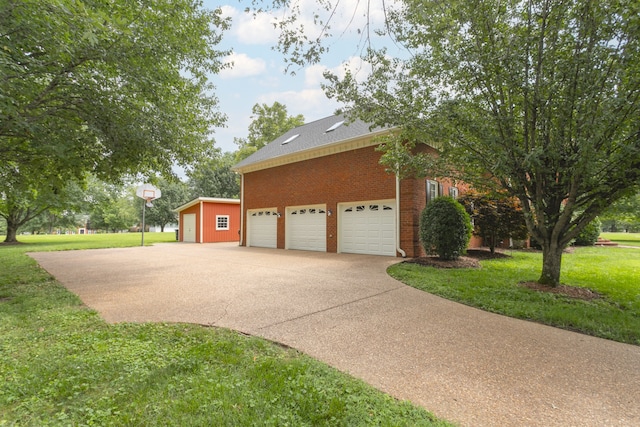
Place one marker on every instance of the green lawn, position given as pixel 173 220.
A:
pixel 626 239
pixel 61 364
pixel 612 272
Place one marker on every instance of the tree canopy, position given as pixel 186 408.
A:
pixel 269 122
pixel 539 96
pixel 112 88
pixel 213 177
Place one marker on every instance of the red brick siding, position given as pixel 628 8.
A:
pixel 344 177
pixel 350 176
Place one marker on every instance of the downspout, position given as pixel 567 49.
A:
pixel 398 229
pixel 201 220
pixel 241 231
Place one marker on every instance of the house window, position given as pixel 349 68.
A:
pixel 453 192
pixel 222 222
pixel 432 190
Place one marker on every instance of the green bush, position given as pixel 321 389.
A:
pixel 589 235
pixel 445 228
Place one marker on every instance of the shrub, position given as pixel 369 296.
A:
pixel 589 235
pixel 445 228
pixel 495 217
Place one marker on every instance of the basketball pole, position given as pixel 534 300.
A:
pixel 144 208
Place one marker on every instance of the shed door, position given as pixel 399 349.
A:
pixel 368 228
pixel 189 228
pixel 307 228
pixel 262 228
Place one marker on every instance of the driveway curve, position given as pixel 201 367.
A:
pixel 465 365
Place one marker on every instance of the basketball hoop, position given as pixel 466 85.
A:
pixel 149 193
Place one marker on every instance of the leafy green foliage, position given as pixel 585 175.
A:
pixel 589 235
pixel 542 98
pixel 495 217
pixel 111 207
pixel 62 365
pixel 445 228
pixel 495 288
pixel 111 88
pixel 623 215
pixel 268 123
pixel 174 194
pixel 213 177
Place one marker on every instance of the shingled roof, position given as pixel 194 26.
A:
pixel 325 132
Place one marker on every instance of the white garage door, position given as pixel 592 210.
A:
pixel 262 228
pixel 307 228
pixel 189 228
pixel 368 228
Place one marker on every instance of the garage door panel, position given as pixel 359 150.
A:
pixel 262 228
pixel 367 228
pixel 307 228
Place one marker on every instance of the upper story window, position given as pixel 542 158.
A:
pixel 222 222
pixel 432 190
pixel 453 192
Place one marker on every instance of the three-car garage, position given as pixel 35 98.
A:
pixel 362 227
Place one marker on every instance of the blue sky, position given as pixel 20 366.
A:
pixel 258 72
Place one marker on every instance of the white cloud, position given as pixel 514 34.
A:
pixel 257 29
pixel 242 66
pixel 251 29
pixel 314 74
pixel 311 103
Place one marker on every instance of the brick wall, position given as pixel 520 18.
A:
pixel 344 177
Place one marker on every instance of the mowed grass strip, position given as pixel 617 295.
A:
pixel 61 364
pixel 612 272
pixel 625 239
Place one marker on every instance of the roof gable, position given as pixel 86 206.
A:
pixel 207 200
pixel 310 138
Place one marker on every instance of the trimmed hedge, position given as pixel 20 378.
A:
pixel 445 228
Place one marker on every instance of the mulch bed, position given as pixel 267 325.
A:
pixel 569 291
pixel 473 258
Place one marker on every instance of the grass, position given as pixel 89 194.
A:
pixel 612 272
pixel 61 364
pixel 626 239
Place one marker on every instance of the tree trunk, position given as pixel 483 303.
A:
pixel 551 262
pixel 12 232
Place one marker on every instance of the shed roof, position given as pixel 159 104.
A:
pixel 332 130
pixel 208 200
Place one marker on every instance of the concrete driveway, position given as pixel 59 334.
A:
pixel 463 364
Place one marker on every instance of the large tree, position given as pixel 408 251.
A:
pixel 269 122
pixel 174 194
pixel 539 96
pixel 112 88
pixel 213 177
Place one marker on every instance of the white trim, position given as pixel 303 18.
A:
pixel 315 152
pixel 201 222
pixel 218 217
pixel 398 223
pixel 207 199
pixel 242 212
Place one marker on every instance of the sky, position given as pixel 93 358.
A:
pixel 258 75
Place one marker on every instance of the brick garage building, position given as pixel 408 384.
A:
pixel 321 187
pixel 209 220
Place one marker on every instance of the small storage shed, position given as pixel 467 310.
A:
pixel 209 220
